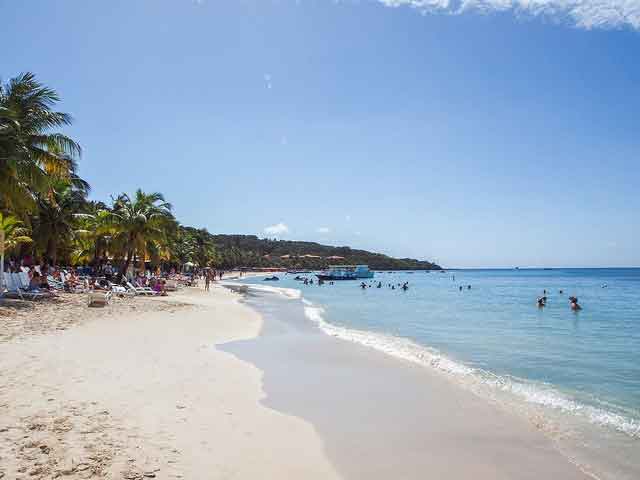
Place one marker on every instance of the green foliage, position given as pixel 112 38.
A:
pixel 32 156
pixel 14 232
pixel 141 226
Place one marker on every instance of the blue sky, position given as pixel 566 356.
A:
pixel 484 133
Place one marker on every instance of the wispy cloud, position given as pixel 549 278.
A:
pixel 277 229
pixel 582 13
pixel 323 230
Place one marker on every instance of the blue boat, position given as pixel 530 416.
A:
pixel 345 272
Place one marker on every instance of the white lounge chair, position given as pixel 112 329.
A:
pixel 13 283
pixel 141 290
pixel 120 290
pixel 99 297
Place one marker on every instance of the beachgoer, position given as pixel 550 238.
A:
pixel 573 303
pixel 363 285
pixel 207 282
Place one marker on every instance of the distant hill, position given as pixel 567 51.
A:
pixel 251 251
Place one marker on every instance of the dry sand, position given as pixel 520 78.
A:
pixel 139 390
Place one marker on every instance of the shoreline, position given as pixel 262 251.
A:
pixel 593 463
pixel 243 386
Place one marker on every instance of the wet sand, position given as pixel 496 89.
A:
pixel 384 418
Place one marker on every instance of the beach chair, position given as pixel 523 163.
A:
pixel 73 288
pixel 55 283
pixel 141 290
pixel 13 282
pixel 120 290
pixel 99 297
pixel 25 286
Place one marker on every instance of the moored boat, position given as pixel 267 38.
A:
pixel 345 272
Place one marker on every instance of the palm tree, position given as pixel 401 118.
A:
pixel 55 223
pixel 31 155
pixel 94 232
pixel 14 232
pixel 142 225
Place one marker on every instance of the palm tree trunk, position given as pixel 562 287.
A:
pixel 52 250
pixel 127 262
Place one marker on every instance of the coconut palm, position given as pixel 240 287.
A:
pixel 14 232
pixel 31 154
pixel 55 223
pixel 94 232
pixel 142 225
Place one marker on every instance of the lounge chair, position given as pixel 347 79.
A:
pixel 99 297
pixel 140 290
pixel 120 290
pixel 58 285
pixel 73 288
pixel 13 283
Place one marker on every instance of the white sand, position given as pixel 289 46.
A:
pixel 132 394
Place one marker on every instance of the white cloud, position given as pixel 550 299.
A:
pixel 323 230
pixel 582 13
pixel 277 229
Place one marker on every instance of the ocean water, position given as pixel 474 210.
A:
pixel 575 375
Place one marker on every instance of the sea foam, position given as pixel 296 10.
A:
pixel 479 380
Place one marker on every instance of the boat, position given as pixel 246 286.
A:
pixel 345 272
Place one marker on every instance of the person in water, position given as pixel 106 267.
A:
pixel 460 288
pixel 405 287
pixel 573 303
pixel 379 285
pixel 363 285
pixel 542 302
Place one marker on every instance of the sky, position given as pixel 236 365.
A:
pixel 476 133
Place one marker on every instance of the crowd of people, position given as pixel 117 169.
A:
pixel 43 277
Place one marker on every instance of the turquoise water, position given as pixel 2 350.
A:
pixel 585 363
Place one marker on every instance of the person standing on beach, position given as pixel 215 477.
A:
pixel 207 282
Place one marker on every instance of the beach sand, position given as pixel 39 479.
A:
pixel 144 393
pixel 185 387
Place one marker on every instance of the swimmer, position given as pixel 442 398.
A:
pixel 363 285
pixel 460 287
pixel 468 287
pixel 561 292
pixel 573 303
